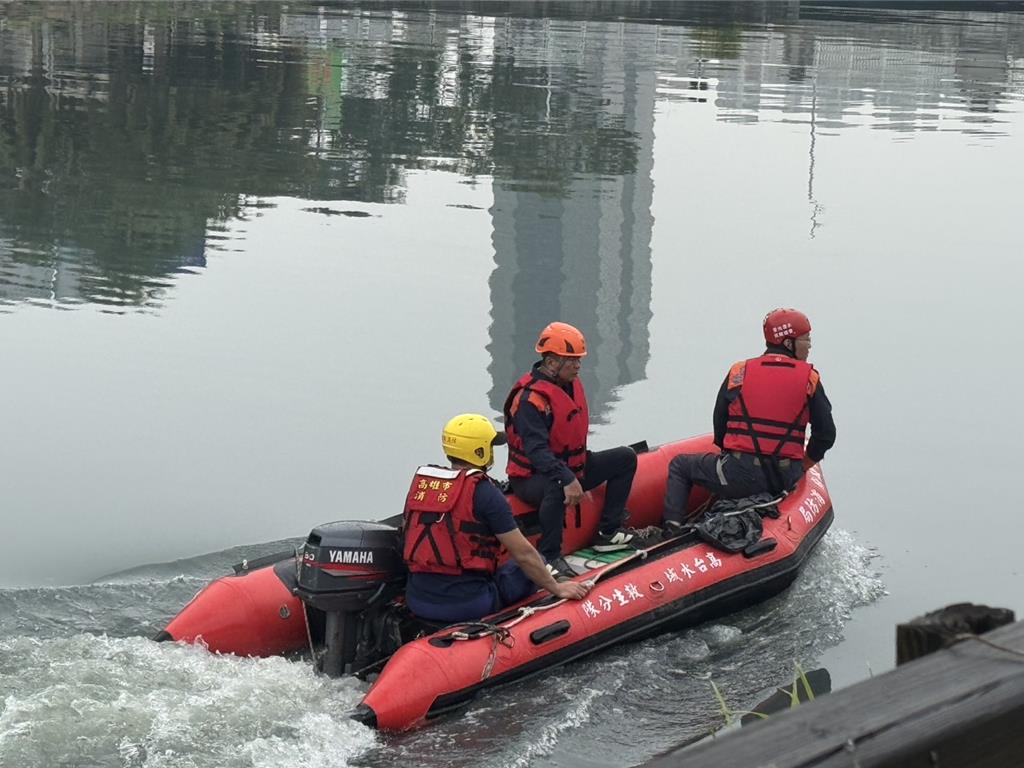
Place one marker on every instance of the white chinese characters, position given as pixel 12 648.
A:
pixel 605 603
pixel 698 563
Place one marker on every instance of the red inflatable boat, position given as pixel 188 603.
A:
pixel 341 598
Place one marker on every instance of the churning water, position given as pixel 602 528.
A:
pixel 83 685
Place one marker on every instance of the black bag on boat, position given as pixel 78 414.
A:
pixel 730 531
pixel 732 525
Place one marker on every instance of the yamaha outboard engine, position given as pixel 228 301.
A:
pixel 351 571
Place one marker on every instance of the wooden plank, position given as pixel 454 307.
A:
pixel 956 707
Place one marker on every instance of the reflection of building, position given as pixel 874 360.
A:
pixel 1016 75
pixel 128 129
pixel 56 280
pixel 560 116
pixel 582 253
pixel 892 70
pixel 395 91
pixel 116 150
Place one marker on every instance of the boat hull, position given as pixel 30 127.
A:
pixel 252 613
pixel 256 613
pixel 675 585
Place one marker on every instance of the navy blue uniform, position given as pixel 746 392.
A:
pixel 467 597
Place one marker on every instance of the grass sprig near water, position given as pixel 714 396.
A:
pixel 729 714
pixel 801 677
pixel 790 692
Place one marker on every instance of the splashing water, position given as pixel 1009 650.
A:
pixel 88 700
pixel 639 699
pixel 70 698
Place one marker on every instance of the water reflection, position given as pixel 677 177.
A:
pixel 130 133
pixel 904 70
pixel 125 132
pixel 134 137
pixel 574 241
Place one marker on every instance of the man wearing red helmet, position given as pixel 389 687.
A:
pixel 760 419
pixel 547 421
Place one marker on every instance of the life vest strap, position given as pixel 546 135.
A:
pixel 427 533
pixel 790 425
pixel 477 528
pixel 753 434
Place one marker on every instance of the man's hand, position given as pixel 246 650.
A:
pixel 571 590
pixel 808 462
pixel 573 493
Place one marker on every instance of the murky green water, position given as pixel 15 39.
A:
pixel 252 256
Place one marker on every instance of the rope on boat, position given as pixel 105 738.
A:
pixel 305 614
pixel 770 503
pixel 500 634
pixel 499 638
pixel 699 511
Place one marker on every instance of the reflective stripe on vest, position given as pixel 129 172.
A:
pixel 769 415
pixel 570 423
pixel 442 535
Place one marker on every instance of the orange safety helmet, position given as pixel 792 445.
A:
pixel 782 324
pixel 562 339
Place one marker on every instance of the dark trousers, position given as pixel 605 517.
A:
pixel 615 466
pixel 512 583
pixel 477 598
pixel 727 475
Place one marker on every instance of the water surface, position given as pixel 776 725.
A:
pixel 252 256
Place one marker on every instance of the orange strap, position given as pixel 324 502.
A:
pixel 736 374
pixel 812 382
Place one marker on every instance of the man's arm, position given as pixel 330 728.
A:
pixel 491 508
pixel 721 415
pixel 823 428
pixel 529 559
pixel 533 427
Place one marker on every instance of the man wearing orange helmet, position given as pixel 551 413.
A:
pixel 547 421
pixel 760 419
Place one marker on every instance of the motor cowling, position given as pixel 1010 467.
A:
pixel 351 571
pixel 349 564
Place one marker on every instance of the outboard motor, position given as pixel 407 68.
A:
pixel 351 571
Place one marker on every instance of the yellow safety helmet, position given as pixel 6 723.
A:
pixel 471 437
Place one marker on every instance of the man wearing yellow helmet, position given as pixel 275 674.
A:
pixel 456 521
pixel 547 420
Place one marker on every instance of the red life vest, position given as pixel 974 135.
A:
pixel 769 415
pixel 442 535
pixel 569 426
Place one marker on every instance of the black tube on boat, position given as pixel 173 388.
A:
pixel 363 714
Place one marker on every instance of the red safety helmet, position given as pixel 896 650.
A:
pixel 782 324
pixel 562 339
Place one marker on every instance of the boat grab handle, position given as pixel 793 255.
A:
pixel 759 547
pixel 550 632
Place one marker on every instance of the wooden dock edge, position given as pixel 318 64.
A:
pixel 961 706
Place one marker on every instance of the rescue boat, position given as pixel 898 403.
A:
pixel 340 597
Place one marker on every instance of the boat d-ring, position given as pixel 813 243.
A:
pixel 657 586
